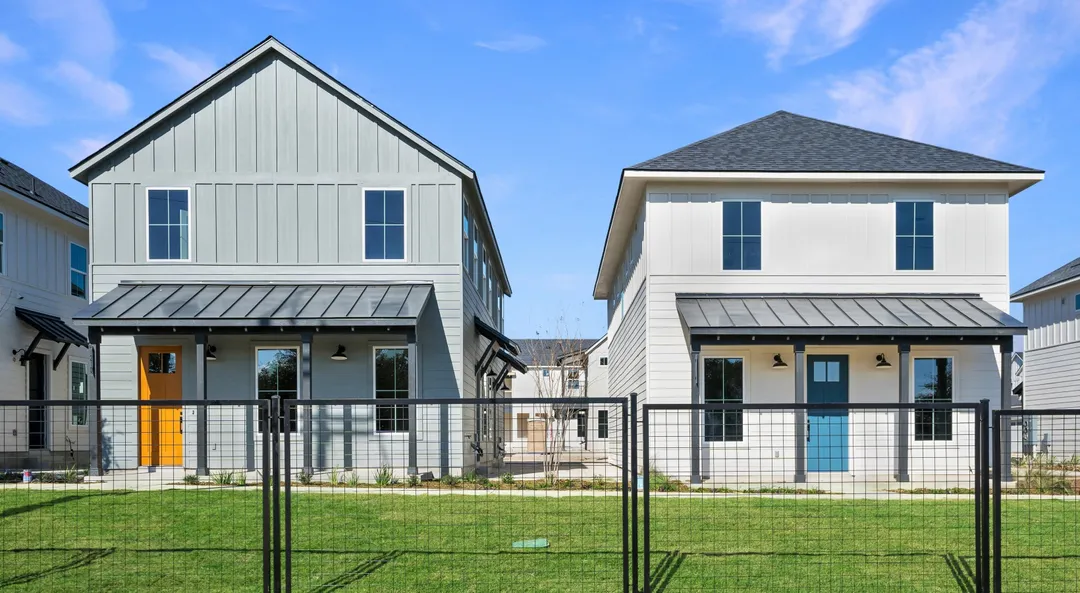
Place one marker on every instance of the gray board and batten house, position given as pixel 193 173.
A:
pixel 271 227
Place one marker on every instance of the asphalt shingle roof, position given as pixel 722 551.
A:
pixel 788 143
pixel 20 181
pixel 542 352
pixel 1065 273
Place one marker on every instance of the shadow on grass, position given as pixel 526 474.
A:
pixel 84 557
pixel 962 572
pixel 360 571
pixel 37 506
pixel 666 569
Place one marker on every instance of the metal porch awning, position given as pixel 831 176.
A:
pixel 49 327
pixel 248 306
pixel 915 315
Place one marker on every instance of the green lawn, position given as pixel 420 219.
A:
pixel 211 540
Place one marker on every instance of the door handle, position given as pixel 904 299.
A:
pixel 181 424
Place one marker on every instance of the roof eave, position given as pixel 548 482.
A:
pixel 1022 294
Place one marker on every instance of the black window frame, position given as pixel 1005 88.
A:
pixel 602 424
pixel 261 393
pixel 724 426
pixel 934 425
pixel 391 419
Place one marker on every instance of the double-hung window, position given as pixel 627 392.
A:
pixel 723 385
pixel 79 386
pixel 742 235
pixel 276 375
pixel 582 424
pixel 914 235
pixel 384 224
pixel 78 270
pixel 602 424
pixel 391 382
pixel 168 230
pixel 933 384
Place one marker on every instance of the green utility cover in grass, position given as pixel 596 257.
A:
pixel 531 543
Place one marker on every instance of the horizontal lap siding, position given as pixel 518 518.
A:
pixel 1052 377
pixel 628 350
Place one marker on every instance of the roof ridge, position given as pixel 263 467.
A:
pixel 717 135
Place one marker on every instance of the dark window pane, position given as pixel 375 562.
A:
pixel 905 253
pixel 178 247
pixel 924 218
pixel 751 253
pixel 395 207
pixel 733 380
pixel 401 370
pixel 924 253
pixel 582 425
pixel 602 424
pixel 373 243
pixel 155 363
pixel 732 253
pixel 714 380
pixel 78 257
pixel 732 218
pixel 78 284
pixel 905 218
pixel 714 425
pixel 373 207
pixel 158 206
pixel 178 207
pixel 395 242
pixel 751 218
pixel 733 425
pixel 159 242
pixel 168 360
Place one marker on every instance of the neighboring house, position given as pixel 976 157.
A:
pixel 793 260
pixel 597 371
pixel 43 282
pixel 1051 363
pixel 308 245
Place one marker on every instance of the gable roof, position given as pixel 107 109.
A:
pixel 543 351
pixel 786 142
pixel 1066 273
pixel 20 181
pixel 81 170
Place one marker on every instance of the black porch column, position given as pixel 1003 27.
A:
pixel 903 431
pixel 305 393
pixel 695 413
pixel 94 413
pixel 800 415
pixel 201 466
pixel 1005 457
pixel 414 411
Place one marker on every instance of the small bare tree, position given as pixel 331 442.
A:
pixel 559 371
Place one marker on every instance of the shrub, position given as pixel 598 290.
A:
pixel 507 478
pixel 335 479
pixel 352 480
pixel 450 480
pixel 191 480
pixel 223 478
pixel 660 482
pixel 305 478
pixel 384 476
pixel 413 481
pixel 241 479
pixel 1039 477
pixel 471 477
pixel 71 475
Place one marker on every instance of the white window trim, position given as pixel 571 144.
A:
pixel 405 229
pixel 292 347
pixel 607 421
pixel 374 419
pixel 931 354
pixel 747 359
pixel 1076 302
pixel 86 273
pixel 190 225
pixel 760 236
pixel 3 252
pixel 892 246
pixel 71 396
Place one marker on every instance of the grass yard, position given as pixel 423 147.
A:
pixel 211 540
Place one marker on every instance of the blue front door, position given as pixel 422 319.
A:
pixel 827 436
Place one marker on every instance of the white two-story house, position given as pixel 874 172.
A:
pixel 793 260
pixel 1051 363
pixel 272 233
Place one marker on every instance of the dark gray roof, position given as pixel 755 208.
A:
pixel 545 351
pixel 785 142
pixel 258 305
pixel 1065 273
pixel 851 314
pixel 20 181
pixel 51 327
pixel 496 336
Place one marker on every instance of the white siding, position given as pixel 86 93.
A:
pixel 1052 377
pixel 1052 318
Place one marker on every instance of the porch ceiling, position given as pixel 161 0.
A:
pixel 917 315
pixel 266 305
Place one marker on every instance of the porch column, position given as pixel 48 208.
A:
pixel 201 465
pixel 902 429
pixel 94 413
pixel 695 414
pixel 800 414
pixel 305 393
pixel 1005 457
pixel 414 411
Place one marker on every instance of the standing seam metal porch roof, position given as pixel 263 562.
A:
pixel 845 314
pixel 258 305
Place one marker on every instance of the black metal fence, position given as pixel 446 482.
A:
pixel 1036 501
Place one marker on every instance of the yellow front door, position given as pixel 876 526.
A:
pixel 161 438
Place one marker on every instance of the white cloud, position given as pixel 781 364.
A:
pixel 184 70
pixel 964 87
pixel 106 94
pixel 513 43
pixel 20 105
pixel 80 148
pixel 9 50
pixel 83 28
pixel 804 30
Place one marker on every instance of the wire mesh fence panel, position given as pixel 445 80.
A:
pixel 835 497
pixel 1037 501
pixel 133 496
pixel 452 495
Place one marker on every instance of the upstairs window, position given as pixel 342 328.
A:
pixel 168 233
pixel 466 229
pixel 603 361
pixel 742 235
pixel 914 235
pixel 3 251
pixel 384 224
pixel 1076 299
pixel 78 271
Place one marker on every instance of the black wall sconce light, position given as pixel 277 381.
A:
pixel 882 363
pixel 339 354
pixel 778 363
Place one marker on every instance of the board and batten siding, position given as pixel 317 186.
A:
pixel 1052 318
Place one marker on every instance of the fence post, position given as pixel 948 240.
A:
pixel 996 435
pixel 626 440
pixel 633 487
pixel 982 501
pixel 645 494
pixel 273 424
pixel 287 421
pixel 262 410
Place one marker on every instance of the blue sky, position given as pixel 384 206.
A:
pixel 548 101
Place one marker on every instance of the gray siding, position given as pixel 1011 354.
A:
pixel 1052 318
pixel 1052 377
pixel 473 348
pixel 628 363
